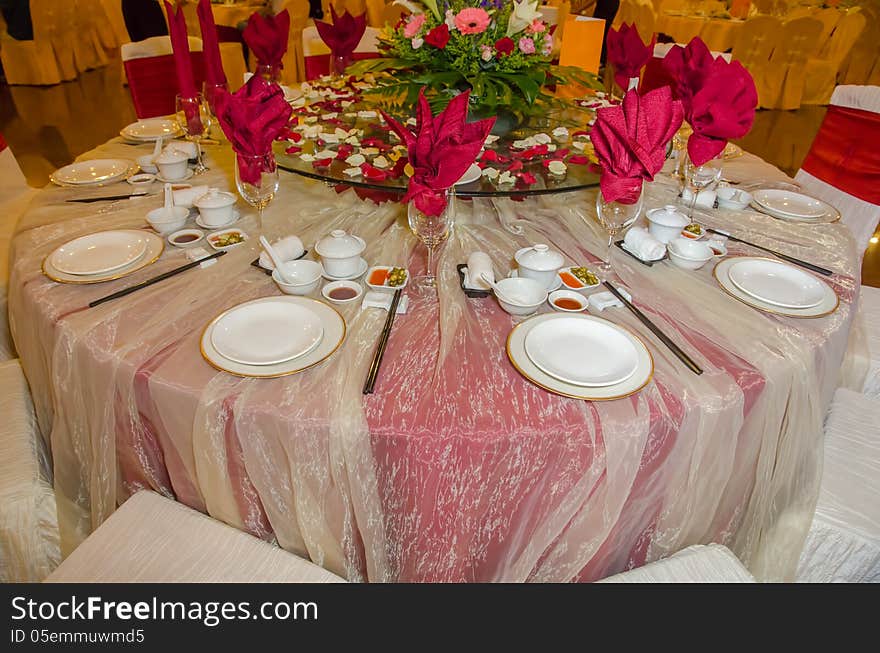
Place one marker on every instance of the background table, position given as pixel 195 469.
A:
pixel 456 468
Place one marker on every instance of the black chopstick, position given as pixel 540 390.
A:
pixel 383 342
pixel 156 279
pixel 107 199
pixel 696 369
pixel 785 257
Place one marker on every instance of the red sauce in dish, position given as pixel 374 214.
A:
pixel 566 303
pixel 342 293
pixel 378 277
pixel 186 238
pixel 717 252
pixel 570 280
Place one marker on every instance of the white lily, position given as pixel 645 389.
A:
pixel 523 14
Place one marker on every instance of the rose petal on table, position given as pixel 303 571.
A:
pixel 579 160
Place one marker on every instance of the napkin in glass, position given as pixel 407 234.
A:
pixel 627 53
pixel 440 150
pixel 266 36
pixel 630 141
pixel 210 45
pixel 252 118
pixel 343 34
pixel 186 84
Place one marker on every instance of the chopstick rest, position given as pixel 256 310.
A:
pixel 195 253
pixel 376 299
pixel 601 300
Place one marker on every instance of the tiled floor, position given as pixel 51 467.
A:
pixel 47 127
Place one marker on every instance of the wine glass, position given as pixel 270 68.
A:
pixel 256 178
pixel 211 91
pixel 195 121
pixel 615 217
pixel 699 178
pixel 432 231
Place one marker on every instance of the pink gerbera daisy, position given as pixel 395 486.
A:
pixel 472 20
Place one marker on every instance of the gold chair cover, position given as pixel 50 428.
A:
pixel 754 45
pixel 822 72
pixel 49 58
pixel 786 74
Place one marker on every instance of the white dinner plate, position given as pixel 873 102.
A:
pixel 96 171
pixel 589 353
pixel 790 203
pixel 155 246
pixel 777 283
pixel 516 352
pixel 151 129
pixel 100 252
pixel 471 174
pixel 828 305
pixel 334 333
pixel 266 333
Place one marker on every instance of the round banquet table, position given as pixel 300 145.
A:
pixel 457 468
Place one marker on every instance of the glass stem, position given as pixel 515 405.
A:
pixel 693 203
pixel 199 164
pixel 429 274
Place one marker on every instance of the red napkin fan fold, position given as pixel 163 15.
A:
pixel 344 33
pixel 627 53
pixel 440 150
pixel 186 85
pixel 266 36
pixel 210 44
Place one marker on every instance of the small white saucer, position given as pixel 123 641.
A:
pixel 159 177
pixel 555 286
pixel 236 216
pixel 362 268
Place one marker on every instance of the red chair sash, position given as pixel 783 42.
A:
pixel 846 152
pixel 2 143
pixel 319 64
pixel 152 82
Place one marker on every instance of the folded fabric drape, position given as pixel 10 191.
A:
pixel 630 140
pixel 210 42
pixel 441 149
pixel 186 84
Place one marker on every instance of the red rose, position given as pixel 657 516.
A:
pixel 505 45
pixel 439 36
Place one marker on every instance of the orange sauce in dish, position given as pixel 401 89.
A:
pixel 571 281
pixel 378 277
pixel 568 304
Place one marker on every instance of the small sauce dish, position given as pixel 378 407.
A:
pixel 142 180
pixel 386 278
pixel 571 281
pixel 342 292
pixel 226 239
pixel 568 301
pixel 187 238
pixel 693 231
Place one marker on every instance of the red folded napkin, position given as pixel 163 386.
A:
pixel 719 98
pixel 627 53
pixel 213 67
pixel 253 117
pixel 440 150
pixel 722 109
pixel 267 36
pixel 344 33
pixel 630 141
pixel 186 85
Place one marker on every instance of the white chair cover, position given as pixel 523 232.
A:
pixel 844 540
pixel 151 539
pixel 29 540
pixel 155 46
pixel 709 563
pixel 313 45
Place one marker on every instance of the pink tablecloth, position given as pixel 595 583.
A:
pixel 457 468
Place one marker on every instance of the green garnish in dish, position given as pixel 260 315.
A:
pixel 694 228
pixel 225 240
pixel 587 277
pixel 397 277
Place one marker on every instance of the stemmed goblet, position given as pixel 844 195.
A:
pixel 614 218
pixel 194 119
pixel 432 231
pixel 699 178
pixel 256 178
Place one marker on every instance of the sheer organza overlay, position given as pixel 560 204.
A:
pixel 457 468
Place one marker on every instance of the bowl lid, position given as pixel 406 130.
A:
pixel 170 155
pixel 668 216
pixel 340 245
pixel 214 199
pixel 539 258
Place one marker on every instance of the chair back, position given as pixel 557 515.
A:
pixel 316 54
pixel 756 40
pixel 829 19
pixel 12 179
pixel 798 37
pixel 844 38
pixel 375 9
pixel 646 19
pixel 865 55
pixel 843 164
pixel 393 12
pixel 152 76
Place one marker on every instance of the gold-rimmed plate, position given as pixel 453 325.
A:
pixel 829 303
pixel 520 360
pixel 154 248
pixel 94 172
pixel 333 336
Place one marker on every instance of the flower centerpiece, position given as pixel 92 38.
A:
pixel 500 50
